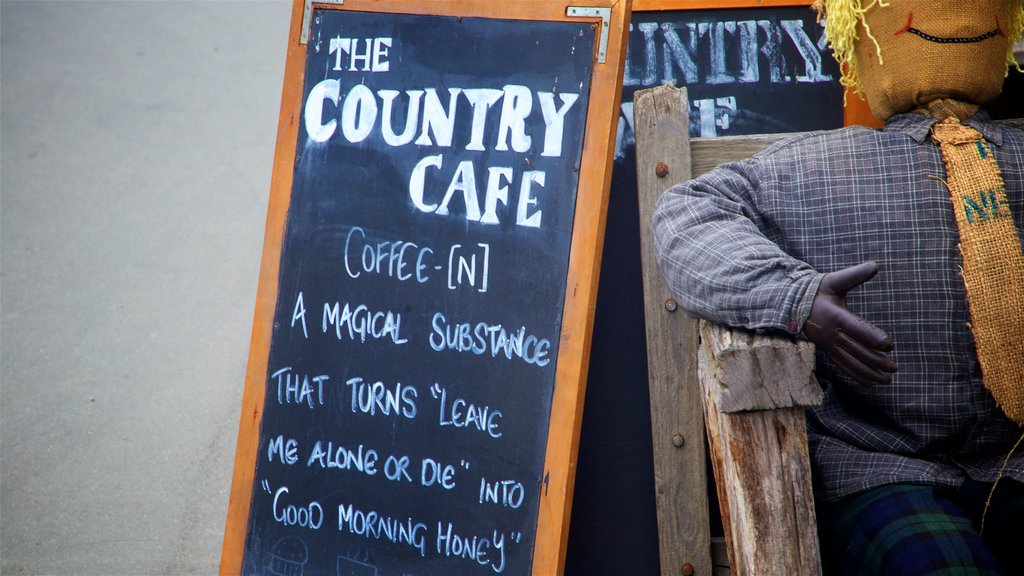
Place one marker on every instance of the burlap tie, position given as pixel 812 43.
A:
pixel 993 267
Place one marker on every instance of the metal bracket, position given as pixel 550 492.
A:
pixel 605 14
pixel 307 13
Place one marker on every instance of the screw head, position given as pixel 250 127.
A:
pixel 661 169
pixel 678 441
pixel 671 305
pixel 687 569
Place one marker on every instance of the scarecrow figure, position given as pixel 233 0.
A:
pixel 898 252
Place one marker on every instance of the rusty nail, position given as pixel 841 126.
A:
pixel 671 305
pixel 687 569
pixel 661 169
pixel 678 441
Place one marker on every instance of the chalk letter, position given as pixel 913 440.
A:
pixel 624 133
pixel 808 51
pixel 412 115
pixel 554 119
pixel 718 73
pixel 772 50
pixel 514 109
pixel 749 71
pixel 526 200
pixel 481 99
pixel 495 191
pixel 300 313
pixel 416 182
pixel 683 55
pixel 380 52
pixel 358 114
pixel 436 120
pixel 650 54
pixel 314 115
pixel 464 181
pixel 355 56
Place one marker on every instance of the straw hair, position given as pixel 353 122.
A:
pixel 842 17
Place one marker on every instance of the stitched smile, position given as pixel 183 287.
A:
pixel 955 40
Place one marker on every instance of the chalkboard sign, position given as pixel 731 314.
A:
pixel 413 396
pixel 747 70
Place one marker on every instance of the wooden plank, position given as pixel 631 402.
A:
pixel 676 422
pixel 763 472
pixel 707 153
pixel 757 372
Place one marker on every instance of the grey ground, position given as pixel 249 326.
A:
pixel 136 141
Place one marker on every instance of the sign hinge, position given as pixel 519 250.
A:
pixel 307 13
pixel 605 14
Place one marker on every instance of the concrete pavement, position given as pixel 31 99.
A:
pixel 136 141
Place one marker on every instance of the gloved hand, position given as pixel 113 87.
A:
pixel 857 346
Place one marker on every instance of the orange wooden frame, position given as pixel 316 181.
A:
pixel 582 281
pixel 650 5
pixel 855 111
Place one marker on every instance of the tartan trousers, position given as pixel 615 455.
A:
pixel 913 530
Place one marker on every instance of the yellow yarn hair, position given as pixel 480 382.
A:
pixel 841 18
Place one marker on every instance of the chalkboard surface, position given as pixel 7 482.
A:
pixel 422 277
pixel 747 70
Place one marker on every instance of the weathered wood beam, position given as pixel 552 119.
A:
pixel 662 125
pixel 759 448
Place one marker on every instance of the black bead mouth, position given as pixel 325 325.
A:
pixel 997 31
pixel 958 40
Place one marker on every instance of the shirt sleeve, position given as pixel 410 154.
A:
pixel 715 253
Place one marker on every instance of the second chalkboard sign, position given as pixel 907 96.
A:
pixel 422 274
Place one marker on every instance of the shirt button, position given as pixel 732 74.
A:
pixel 792 326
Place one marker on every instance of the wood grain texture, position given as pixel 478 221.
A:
pixel 757 372
pixel 761 466
pixel 707 153
pixel 661 123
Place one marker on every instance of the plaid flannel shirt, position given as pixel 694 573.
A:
pixel 747 244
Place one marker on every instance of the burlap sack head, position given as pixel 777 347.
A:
pixel 906 53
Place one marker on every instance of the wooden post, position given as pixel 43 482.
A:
pixel 755 389
pixel 680 480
